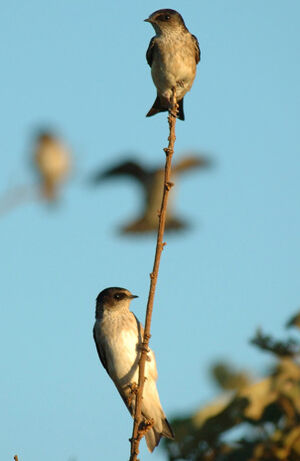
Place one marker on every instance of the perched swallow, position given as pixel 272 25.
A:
pixel 152 181
pixel 52 161
pixel 172 55
pixel 118 336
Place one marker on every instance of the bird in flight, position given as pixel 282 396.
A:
pixel 151 181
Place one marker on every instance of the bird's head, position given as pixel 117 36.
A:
pixel 113 298
pixel 44 136
pixel 166 20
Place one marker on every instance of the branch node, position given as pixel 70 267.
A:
pixel 147 336
pixel 169 185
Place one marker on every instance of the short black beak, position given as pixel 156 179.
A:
pixel 132 296
pixel 147 20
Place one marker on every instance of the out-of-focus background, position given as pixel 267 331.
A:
pixel 78 69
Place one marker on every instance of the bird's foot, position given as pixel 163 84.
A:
pixel 133 388
pixel 180 83
pixel 173 111
pixel 141 348
pixel 145 426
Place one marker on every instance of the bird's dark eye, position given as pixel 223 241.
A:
pixel 119 296
pixel 164 17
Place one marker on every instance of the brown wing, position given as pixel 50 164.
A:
pixel 191 161
pixel 150 51
pixel 100 351
pixel 197 49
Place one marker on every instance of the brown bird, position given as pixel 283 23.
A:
pixel 172 55
pixel 152 181
pixel 52 160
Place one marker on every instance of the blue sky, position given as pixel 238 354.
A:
pixel 79 67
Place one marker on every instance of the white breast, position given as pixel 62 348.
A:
pixel 123 357
pixel 119 338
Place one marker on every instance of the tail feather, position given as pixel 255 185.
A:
pixel 49 190
pixel 158 107
pixel 148 225
pixel 167 429
pixel 180 110
pixel 153 436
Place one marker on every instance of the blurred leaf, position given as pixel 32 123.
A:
pixel 257 421
pixel 288 348
pixel 294 321
pixel 227 377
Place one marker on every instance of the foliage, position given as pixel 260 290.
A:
pixel 252 420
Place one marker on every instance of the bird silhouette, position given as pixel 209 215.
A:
pixel 151 180
pixel 52 161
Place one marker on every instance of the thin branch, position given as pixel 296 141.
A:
pixel 138 431
pixel 17 196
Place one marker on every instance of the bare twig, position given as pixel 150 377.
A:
pixel 17 196
pixel 138 429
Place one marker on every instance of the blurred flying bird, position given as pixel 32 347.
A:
pixel 152 181
pixel 52 160
pixel 118 336
pixel 172 55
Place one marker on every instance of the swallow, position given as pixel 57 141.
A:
pixel 118 337
pixel 152 182
pixel 173 55
pixel 52 161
